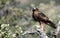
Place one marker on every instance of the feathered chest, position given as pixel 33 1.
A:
pixel 36 17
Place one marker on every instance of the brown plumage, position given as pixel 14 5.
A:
pixel 42 18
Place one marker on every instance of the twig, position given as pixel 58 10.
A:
pixel 35 29
pixel 57 31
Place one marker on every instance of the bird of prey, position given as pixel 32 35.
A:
pixel 42 18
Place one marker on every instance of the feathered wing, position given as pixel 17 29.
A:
pixel 46 20
pixel 43 17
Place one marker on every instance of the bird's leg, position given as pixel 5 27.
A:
pixel 42 25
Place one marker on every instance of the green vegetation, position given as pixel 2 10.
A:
pixel 16 17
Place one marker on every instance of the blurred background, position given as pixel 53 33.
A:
pixel 16 16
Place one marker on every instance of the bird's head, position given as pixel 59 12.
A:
pixel 35 10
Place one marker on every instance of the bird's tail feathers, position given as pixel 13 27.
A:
pixel 51 24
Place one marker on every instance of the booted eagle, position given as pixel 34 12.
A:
pixel 42 18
